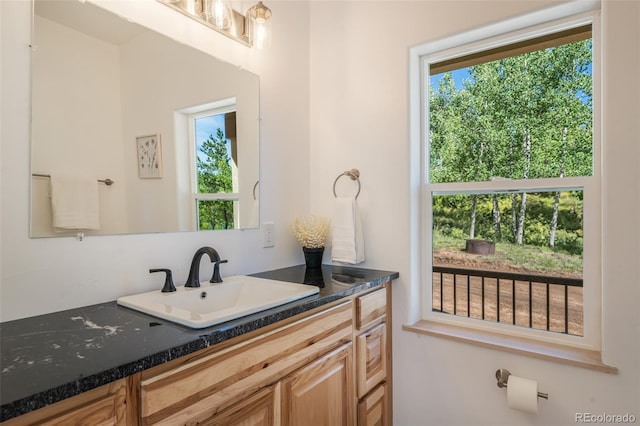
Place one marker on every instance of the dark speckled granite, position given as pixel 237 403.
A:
pixel 51 357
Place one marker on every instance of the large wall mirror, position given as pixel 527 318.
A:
pixel 175 129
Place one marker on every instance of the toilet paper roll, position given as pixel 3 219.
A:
pixel 522 394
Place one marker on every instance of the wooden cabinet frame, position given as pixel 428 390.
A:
pixel 337 355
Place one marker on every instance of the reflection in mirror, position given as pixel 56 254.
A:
pixel 175 129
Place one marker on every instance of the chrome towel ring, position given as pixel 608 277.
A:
pixel 254 189
pixel 354 174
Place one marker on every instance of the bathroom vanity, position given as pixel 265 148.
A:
pixel 325 359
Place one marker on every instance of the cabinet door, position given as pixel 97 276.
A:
pixel 321 393
pixel 373 409
pixel 260 409
pixel 371 350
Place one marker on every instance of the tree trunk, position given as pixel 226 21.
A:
pixel 474 205
pixel 523 209
pixel 556 197
pixel 496 218
pixel 525 175
pixel 514 217
pixel 554 220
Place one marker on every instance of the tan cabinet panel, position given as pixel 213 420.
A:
pixel 373 410
pixel 371 352
pixel 260 409
pixel 321 393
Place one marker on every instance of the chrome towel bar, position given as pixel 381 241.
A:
pixel 106 181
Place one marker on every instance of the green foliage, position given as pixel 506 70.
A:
pixel 477 132
pixel 214 175
pixel 451 218
pixel 569 242
pixel 521 117
pixel 539 258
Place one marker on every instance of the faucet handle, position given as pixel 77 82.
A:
pixel 168 280
pixel 216 278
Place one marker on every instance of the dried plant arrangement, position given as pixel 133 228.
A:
pixel 311 232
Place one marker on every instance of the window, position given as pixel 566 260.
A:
pixel 214 167
pixel 510 186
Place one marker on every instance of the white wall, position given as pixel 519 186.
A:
pixel 67 135
pixel 344 105
pixel 359 118
pixel 46 275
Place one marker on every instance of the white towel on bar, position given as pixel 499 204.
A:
pixel 74 201
pixel 348 239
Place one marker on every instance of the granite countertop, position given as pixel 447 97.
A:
pixel 51 357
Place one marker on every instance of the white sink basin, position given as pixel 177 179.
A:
pixel 212 304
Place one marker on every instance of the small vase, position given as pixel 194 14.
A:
pixel 314 276
pixel 313 257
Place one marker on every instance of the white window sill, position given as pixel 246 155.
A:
pixel 543 350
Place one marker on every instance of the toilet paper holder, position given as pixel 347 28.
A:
pixel 502 375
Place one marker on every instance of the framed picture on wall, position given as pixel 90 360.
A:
pixel 149 156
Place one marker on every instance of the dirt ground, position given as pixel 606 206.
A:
pixel 469 295
pixel 462 259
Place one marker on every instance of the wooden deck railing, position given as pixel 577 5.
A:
pixel 534 301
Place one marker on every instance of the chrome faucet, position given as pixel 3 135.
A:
pixel 194 270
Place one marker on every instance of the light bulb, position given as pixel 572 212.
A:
pixel 261 33
pixel 259 16
pixel 219 13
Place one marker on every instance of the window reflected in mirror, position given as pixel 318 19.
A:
pixel 216 167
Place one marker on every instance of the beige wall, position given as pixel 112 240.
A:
pixel 359 118
pixel 334 90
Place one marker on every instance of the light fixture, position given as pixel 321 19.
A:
pixel 218 13
pixel 252 29
pixel 259 25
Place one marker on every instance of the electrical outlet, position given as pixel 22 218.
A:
pixel 269 233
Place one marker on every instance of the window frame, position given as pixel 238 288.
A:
pixel 214 108
pixel 510 31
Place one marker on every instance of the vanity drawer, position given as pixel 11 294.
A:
pixel 371 350
pixel 373 410
pixel 196 391
pixel 370 308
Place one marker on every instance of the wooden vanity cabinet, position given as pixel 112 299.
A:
pixel 332 366
pixel 372 338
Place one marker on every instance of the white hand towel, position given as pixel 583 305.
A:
pixel 347 236
pixel 74 201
